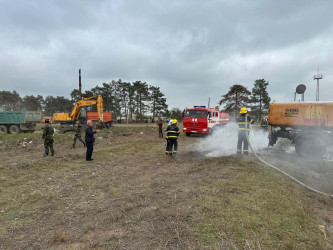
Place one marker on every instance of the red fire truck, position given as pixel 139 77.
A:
pixel 202 120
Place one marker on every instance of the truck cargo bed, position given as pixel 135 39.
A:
pixel 12 117
pixel 107 117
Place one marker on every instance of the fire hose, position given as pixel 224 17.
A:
pixel 277 169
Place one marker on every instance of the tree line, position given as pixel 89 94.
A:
pixel 239 96
pixel 129 101
pixel 137 100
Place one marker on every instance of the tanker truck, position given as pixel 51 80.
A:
pixel 308 125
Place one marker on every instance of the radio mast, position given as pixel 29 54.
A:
pixel 317 77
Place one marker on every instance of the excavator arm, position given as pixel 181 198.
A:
pixel 88 102
pixel 100 107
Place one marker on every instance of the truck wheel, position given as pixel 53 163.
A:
pixel 311 145
pixel 188 134
pixel 14 129
pixel 3 129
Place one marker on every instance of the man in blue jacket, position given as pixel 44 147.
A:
pixel 90 139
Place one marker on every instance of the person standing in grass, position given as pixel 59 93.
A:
pixel 90 139
pixel 172 133
pixel 48 136
pixel 78 134
pixel 160 128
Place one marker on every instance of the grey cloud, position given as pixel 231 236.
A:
pixel 194 48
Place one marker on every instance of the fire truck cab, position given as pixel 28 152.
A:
pixel 203 120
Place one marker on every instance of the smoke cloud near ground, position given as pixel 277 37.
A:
pixel 224 141
pixel 316 173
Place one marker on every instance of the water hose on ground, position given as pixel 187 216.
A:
pixel 279 170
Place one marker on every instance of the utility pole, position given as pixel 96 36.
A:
pixel 80 86
pixel 236 106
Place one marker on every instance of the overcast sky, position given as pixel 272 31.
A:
pixel 191 49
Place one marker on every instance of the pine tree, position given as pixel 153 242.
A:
pixel 158 102
pixel 260 98
pixel 141 96
pixel 236 98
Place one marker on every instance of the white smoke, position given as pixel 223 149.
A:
pixel 223 141
pixel 314 173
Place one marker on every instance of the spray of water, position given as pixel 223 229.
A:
pixel 224 141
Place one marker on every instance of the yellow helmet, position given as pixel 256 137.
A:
pixel 243 111
pixel 174 121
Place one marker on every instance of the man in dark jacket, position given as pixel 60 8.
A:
pixel 78 134
pixel 172 133
pixel 243 122
pixel 90 139
pixel 48 132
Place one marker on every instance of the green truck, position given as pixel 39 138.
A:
pixel 14 122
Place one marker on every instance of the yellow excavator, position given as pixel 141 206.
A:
pixel 67 121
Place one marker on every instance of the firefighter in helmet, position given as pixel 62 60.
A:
pixel 243 121
pixel 172 133
pixel 264 123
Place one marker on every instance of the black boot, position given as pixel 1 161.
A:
pixel 52 154
pixel 73 146
pixel 46 153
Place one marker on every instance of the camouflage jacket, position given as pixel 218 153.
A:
pixel 48 132
pixel 160 125
pixel 78 129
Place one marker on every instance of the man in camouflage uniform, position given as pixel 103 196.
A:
pixel 48 132
pixel 78 134
pixel 160 128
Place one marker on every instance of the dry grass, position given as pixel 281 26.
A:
pixel 135 197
